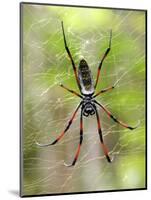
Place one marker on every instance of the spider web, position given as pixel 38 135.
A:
pixel 47 107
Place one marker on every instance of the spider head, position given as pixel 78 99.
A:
pixel 88 109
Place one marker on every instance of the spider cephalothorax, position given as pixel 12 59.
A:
pixel 88 103
pixel 88 106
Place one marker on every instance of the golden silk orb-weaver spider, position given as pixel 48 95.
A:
pixel 88 103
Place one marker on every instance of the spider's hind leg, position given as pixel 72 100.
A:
pixel 70 56
pixel 103 58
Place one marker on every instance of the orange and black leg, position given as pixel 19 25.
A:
pixel 80 142
pixel 72 91
pixel 105 149
pixel 65 130
pixel 104 56
pixel 70 56
pixel 104 90
pixel 115 119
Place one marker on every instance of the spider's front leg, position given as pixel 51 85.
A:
pixel 105 149
pixel 80 142
pixel 115 119
pixel 65 130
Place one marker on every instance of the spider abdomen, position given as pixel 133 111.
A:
pixel 85 77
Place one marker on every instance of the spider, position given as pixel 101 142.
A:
pixel 88 103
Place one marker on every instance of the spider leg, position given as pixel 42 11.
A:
pixel 115 119
pixel 104 147
pixel 73 92
pixel 70 56
pixel 65 130
pixel 104 56
pixel 107 89
pixel 104 90
pixel 80 143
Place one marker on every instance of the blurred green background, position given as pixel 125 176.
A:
pixel 47 107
